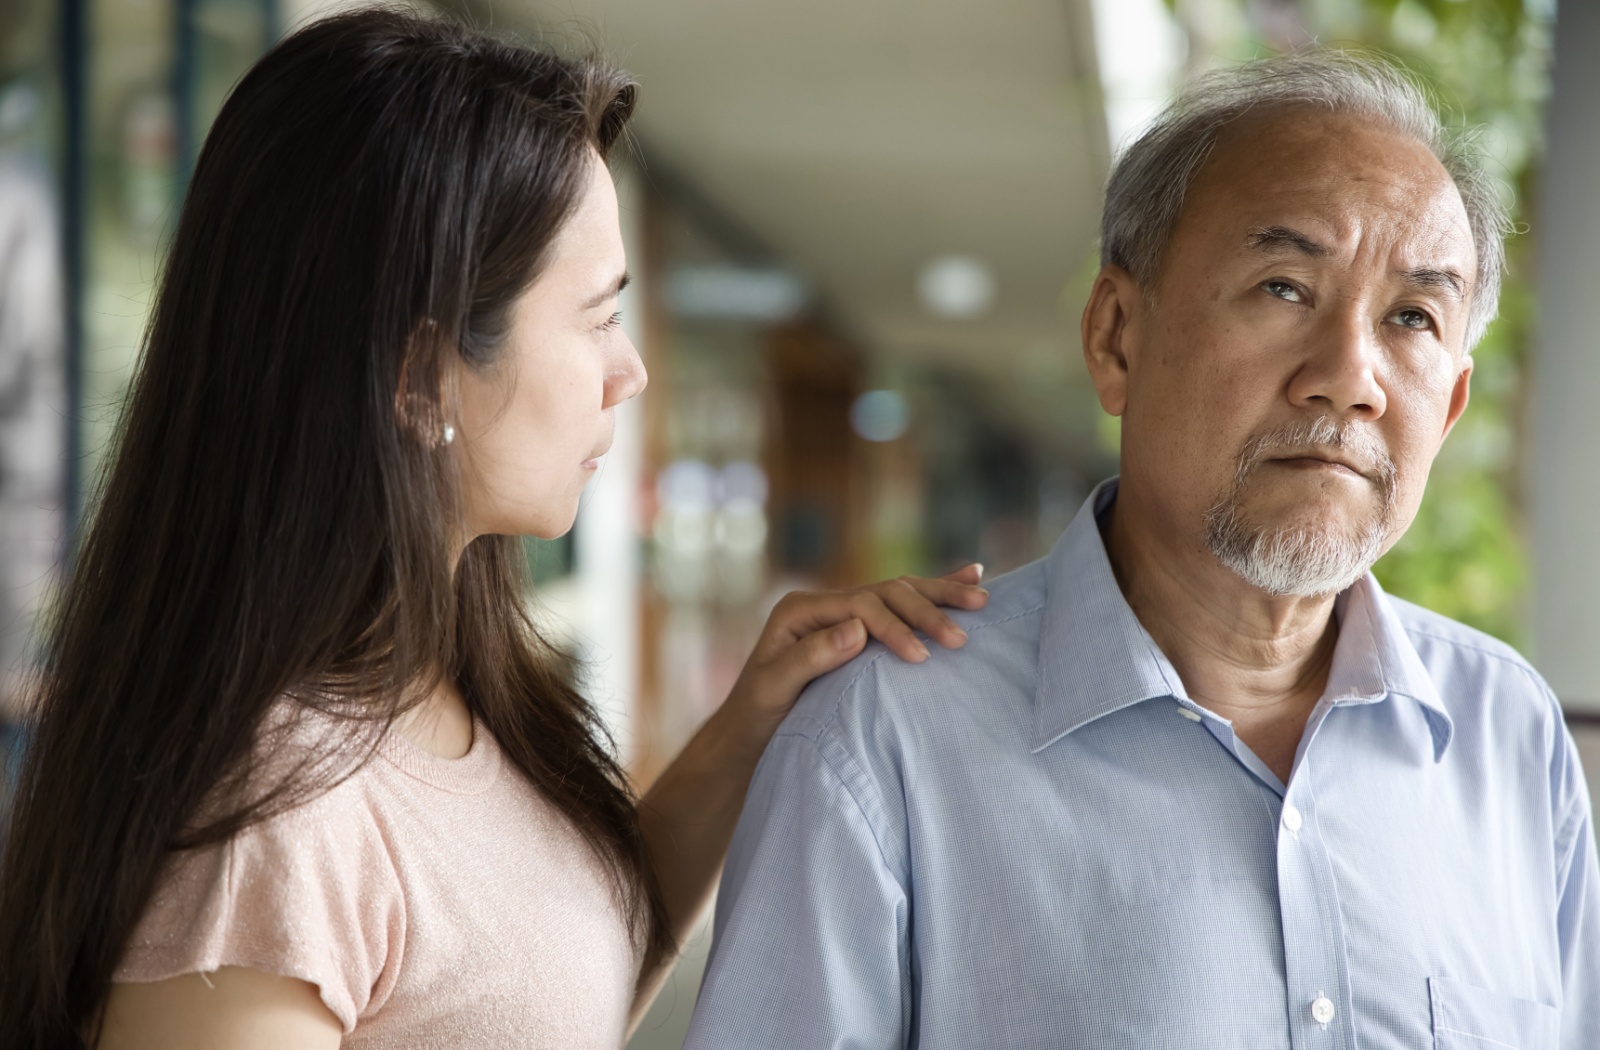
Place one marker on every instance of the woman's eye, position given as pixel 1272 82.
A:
pixel 612 322
pixel 1415 319
pixel 1283 290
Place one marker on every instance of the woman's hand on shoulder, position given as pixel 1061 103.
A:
pixel 688 815
pixel 812 632
pixel 233 1008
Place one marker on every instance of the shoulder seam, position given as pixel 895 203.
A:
pixel 827 720
pixel 1517 661
pixel 855 800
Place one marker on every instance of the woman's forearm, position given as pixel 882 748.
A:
pixel 687 819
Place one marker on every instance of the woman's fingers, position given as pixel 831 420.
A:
pixel 877 618
pixel 907 603
pixel 968 574
pixel 892 612
pixel 959 590
pixel 800 613
pixel 810 634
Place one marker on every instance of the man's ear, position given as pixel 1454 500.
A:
pixel 1106 318
pixel 1460 394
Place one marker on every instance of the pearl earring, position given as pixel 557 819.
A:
pixel 449 433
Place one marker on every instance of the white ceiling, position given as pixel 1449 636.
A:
pixel 860 139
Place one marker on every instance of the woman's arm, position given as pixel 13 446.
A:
pixel 230 1009
pixel 688 816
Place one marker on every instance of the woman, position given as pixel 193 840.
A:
pixel 303 772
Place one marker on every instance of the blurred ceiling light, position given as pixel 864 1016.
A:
pixel 735 293
pixel 956 286
pixel 743 481
pixel 880 415
pixel 687 485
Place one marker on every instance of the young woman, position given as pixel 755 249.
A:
pixel 303 772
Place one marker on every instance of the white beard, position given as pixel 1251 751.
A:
pixel 1301 560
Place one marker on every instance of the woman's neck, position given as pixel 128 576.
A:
pixel 440 725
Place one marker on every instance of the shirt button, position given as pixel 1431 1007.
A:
pixel 1322 1010
pixel 1193 716
pixel 1292 821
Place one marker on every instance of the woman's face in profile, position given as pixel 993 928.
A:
pixel 532 427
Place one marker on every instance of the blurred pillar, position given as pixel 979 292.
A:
pixel 1565 480
pixel 812 458
pixel 74 65
pixel 607 565
pixel 185 80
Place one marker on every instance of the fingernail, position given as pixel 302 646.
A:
pixel 979 564
pixel 848 636
pixel 922 650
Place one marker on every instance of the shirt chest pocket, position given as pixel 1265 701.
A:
pixel 1469 1018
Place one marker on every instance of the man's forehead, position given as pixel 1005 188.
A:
pixel 1327 187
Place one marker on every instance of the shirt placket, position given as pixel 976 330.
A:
pixel 1316 965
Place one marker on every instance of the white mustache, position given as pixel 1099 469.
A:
pixel 1328 436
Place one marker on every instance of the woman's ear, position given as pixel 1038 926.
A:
pixel 1106 320
pixel 424 393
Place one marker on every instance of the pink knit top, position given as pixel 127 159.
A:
pixel 434 903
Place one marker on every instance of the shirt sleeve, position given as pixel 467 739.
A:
pixel 1578 910
pixel 310 893
pixel 812 942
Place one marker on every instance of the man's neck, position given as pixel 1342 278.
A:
pixel 1259 660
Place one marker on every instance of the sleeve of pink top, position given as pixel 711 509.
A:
pixel 311 894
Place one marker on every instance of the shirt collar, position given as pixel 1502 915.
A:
pixel 1096 658
pixel 1374 659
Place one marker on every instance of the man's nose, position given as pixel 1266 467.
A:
pixel 1340 370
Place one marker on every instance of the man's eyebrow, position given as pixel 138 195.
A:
pixel 1277 238
pixel 612 290
pixel 1446 280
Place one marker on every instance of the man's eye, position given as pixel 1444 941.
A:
pixel 612 322
pixel 1415 319
pixel 1283 290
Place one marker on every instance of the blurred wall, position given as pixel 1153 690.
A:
pixel 1563 475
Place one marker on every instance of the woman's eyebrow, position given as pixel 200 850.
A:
pixel 611 291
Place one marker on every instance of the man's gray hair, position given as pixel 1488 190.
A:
pixel 1150 181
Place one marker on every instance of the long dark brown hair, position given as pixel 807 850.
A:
pixel 278 516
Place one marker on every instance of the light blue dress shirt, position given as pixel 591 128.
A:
pixel 1039 840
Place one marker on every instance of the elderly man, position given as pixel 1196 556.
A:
pixel 1195 780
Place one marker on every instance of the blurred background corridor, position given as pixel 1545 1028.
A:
pixel 861 236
